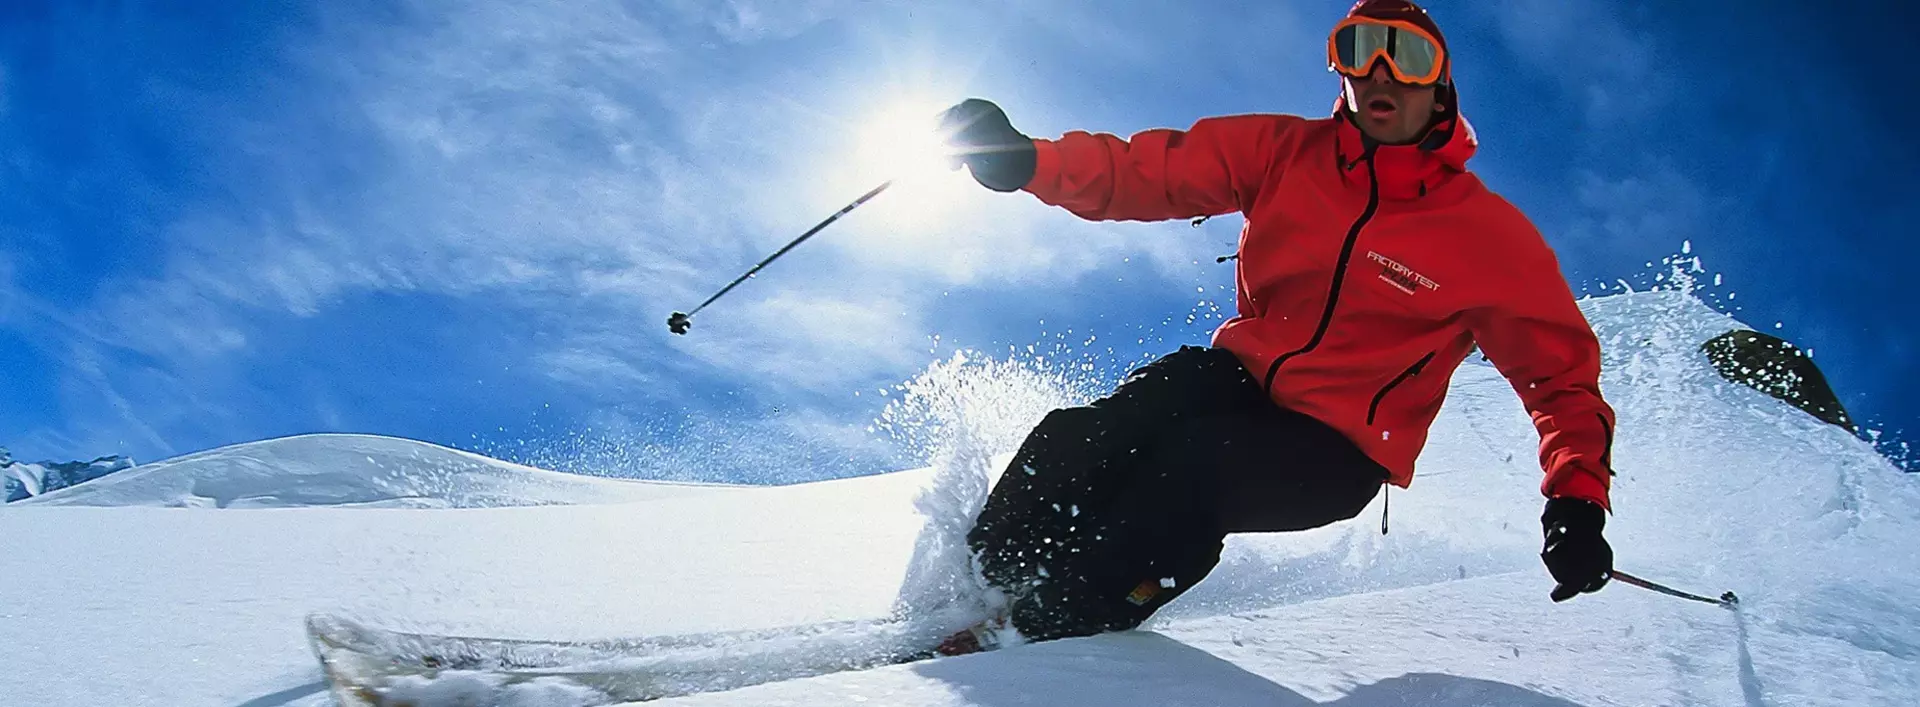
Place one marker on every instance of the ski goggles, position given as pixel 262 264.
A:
pixel 1412 55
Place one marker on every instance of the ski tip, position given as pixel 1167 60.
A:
pixel 321 619
pixel 321 623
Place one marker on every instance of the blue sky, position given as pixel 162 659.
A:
pixel 465 222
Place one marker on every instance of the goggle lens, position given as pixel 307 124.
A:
pixel 1356 44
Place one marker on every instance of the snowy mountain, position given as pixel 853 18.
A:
pixel 1721 487
pixel 25 479
pixel 350 470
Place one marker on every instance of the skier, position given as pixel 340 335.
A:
pixel 1370 265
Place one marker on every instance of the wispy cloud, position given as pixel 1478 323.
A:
pixel 1618 201
pixel 1604 62
pixel 589 367
pixel 9 292
pixel 1656 203
pixel 596 164
pixel 107 419
pixel 818 343
pixel 570 171
pixel 570 159
pixel 749 20
pixel 580 149
pixel 707 444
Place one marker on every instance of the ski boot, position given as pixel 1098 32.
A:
pixel 984 636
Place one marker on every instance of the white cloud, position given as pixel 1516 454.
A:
pixel 750 20
pixel 1656 205
pixel 573 158
pixel 819 343
pixel 573 148
pixel 591 367
pixel 479 195
pixel 130 418
pixel 10 296
pixel 106 413
pixel 796 445
pixel 1603 61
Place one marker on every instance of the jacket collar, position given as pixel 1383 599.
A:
pixel 1405 171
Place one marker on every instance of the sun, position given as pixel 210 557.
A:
pixel 901 142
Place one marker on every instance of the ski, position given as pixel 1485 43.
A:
pixel 367 666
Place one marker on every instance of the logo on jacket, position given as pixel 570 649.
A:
pixel 1401 276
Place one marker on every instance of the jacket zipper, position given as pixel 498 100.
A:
pixel 1411 371
pixel 1339 271
pixel 1606 452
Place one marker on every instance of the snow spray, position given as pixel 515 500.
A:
pixel 960 416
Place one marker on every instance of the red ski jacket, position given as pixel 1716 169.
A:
pixel 1366 275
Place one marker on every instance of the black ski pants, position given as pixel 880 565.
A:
pixel 1110 510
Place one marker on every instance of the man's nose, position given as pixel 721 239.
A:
pixel 1379 72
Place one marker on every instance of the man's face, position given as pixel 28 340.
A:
pixel 1392 113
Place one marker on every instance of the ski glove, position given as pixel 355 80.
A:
pixel 1575 553
pixel 1000 158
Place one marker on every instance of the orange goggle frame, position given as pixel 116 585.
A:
pixel 1413 56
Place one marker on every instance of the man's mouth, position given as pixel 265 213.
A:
pixel 1381 107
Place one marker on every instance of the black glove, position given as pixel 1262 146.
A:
pixel 1576 555
pixel 999 157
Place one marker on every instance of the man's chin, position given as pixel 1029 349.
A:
pixel 1388 135
pixel 1374 131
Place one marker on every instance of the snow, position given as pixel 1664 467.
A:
pixel 116 601
pixel 350 470
pixel 480 688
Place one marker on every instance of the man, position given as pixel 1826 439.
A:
pixel 1370 265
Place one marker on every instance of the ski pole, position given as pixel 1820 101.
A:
pixel 680 321
pixel 1727 600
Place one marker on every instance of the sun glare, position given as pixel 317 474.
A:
pixel 902 143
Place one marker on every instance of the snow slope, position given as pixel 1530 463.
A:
pixel 349 470
pixel 1720 488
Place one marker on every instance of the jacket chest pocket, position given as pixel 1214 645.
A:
pixel 1373 409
